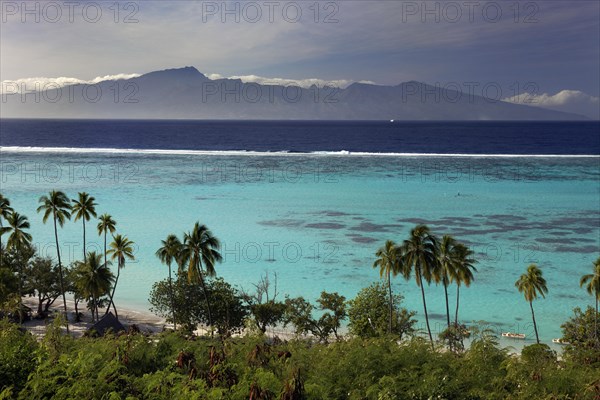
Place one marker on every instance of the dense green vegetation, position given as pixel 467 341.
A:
pixel 177 366
pixel 382 356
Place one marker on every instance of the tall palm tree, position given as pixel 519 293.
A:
pixel 84 208
pixel 169 251
pixel 121 248
pixel 5 211
pixel 201 248
pixel 447 267
pixel 593 288
pixel 464 269
pixel 420 254
pixel 389 263
pixel 94 278
pixel 532 284
pixel 58 205
pixel 18 240
pixel 106 224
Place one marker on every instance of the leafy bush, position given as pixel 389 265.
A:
pixel 227 308
pixel 17 356
pixel 369 313
pixel 300 313
pixel 582 333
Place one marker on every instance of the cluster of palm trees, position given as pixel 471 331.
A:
pixel 18 238
pixel 195 255
pixel 447 261
pixel 93 277
pixel 431 260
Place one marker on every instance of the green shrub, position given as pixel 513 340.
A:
pixel 17 357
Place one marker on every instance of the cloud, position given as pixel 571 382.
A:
pixel 303 83
pixel 374 40
pixel 573 101
pixel 24 85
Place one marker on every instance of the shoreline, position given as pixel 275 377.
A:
pixel 144 320
pixel 148 322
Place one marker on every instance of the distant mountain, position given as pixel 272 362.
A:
pixel 187 93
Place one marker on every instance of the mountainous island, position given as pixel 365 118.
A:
pixel 186 93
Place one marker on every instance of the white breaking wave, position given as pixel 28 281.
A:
pixel 341 153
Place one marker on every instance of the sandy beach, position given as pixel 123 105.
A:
pixel 150 323
pixel 145 321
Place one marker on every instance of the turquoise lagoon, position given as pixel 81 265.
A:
pixel 316 220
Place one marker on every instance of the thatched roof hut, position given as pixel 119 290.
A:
pixel 107 322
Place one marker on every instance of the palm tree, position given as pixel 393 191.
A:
pixel 532 284
pixel 447 267
pixel 170 250
pixel 182 259
pixel 18 240
pixel 83 209
pixel 420 254
pixel 94 278
pixel 463 271
pixel 593 288
pixel 58 205
pixel 5 211
pixel 120 249
pixel 389 263
pixel 106 224
pixel 201 248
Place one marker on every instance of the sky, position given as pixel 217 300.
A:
pixel 550 49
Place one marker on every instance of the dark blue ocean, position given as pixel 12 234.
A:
pixel 560 138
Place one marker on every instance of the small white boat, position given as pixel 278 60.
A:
pixel 513 335
pixel 559 341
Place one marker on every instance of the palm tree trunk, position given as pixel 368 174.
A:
pixel 83 220
pixel 172 300
pixel 76 302
pixel 105 253
pixel 391 302
pixel 537 337
pixel 447 306
pixel 596 320
pixel 94 308
pixel 20 294
pixel 111 302
pixel 207 302
pixel 40 305
pixel 1 248
pixel 457 301
pixel 425 309
pixel 60 274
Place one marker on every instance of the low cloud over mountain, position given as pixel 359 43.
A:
pixel 573 101
pixel 24 85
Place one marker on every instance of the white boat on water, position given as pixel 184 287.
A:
pixel 559 341
pixel 513 335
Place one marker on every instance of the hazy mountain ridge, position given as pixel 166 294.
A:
pixel 187 93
